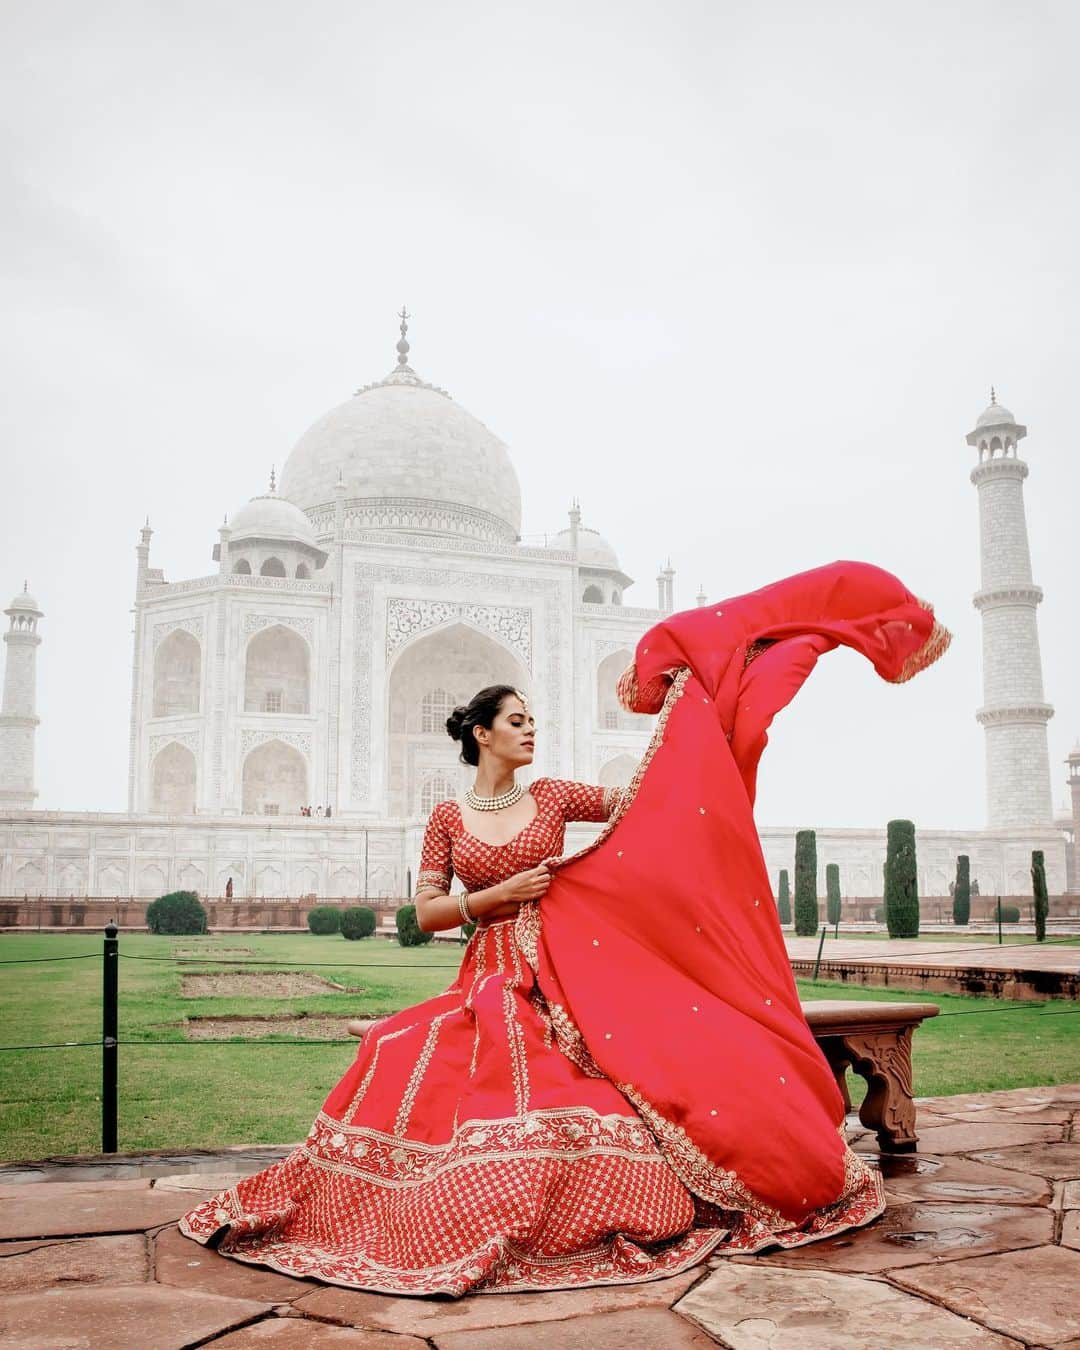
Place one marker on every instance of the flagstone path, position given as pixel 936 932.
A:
pixel 980 1248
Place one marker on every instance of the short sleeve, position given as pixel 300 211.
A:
pixel 585 801
pixel 436 868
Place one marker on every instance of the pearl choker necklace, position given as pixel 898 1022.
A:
pixel 499 803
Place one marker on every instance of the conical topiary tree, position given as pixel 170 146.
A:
pixel 901 881
pixel 961 900
pixel 783 897
pixel 806 909
pixel 1038 888
pixel 832 893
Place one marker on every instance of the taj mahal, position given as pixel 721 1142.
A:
pixel 287 727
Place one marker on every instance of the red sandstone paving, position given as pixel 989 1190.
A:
pixel 484 1312
pixel 1069 1093
pixel 61 1190
pixel 918 1176
pixel 100 1260
pixel 1033 1295
pixel 637 1329
pixel 1060 1161
pixel 133 1319
pixel 912 1234
pixel 1070 1233
pixel 1009 1115
pixel 293 1333
pixel 39 1212
pixel 1070 1195
pixel 185 1264
pixel 751 1308
pixel 966 1138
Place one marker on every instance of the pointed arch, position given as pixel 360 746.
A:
pixel 273 567
pixel 274 781
pixel 177 674
pixel 277 672
pixel 173 781
pixel 455 660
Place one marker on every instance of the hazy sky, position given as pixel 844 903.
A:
pixel 737 275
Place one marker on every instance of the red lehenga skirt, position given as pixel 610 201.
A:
pixel 463 1150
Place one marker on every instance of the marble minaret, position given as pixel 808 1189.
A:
pixel 18 717
pixel 1014 712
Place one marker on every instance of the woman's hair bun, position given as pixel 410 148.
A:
pixel 454 722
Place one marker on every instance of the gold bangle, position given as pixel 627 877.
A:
pixel 467 916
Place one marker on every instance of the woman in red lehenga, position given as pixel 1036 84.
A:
pixel 620 1080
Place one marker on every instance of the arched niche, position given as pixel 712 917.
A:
pixel 274 781
pixel 272 567
pixel 151 881
pixel 177 674
pixel 593 595
pixel 242 568
pixel 617 772
pixel 276 672
pixel 610 716
pixel 303 572
pixel 436 787
pixel 172 790
pixel 455 661
pixel 435 708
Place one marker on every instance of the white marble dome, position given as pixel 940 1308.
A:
pixel 407 457
pixel 593 549
pixel 24 601
pixel 996 416
pixel 271 517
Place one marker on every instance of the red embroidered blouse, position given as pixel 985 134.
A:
pixel 450 850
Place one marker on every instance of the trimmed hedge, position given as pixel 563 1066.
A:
pixel 324 920
pixel 832 893
pixel 879 914
pixel 1009 914
pixel 783 897
pixel 178 912
pixel 357 923
pixel 806 906
pixel 961 903
pixel 1038 888
pixel 409 932
pixel 901 881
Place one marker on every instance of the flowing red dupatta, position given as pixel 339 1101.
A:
pixel 658 948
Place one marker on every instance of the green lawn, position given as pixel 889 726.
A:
pixel 207 1094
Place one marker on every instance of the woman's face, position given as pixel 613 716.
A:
pixel 512 736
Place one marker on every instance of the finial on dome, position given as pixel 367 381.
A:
pixel 993 396
pixel 273 480
pixel 25 587
pixel 403 345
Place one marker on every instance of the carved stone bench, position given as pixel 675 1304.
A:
pixel 874 1039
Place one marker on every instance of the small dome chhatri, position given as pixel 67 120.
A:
pixel 593 550
pixel 994 414
pixel 271 517
pixel 408 457
pixel 24 602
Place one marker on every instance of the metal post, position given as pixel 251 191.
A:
pixel 999 920
pixel 109 1025
pixel 821 943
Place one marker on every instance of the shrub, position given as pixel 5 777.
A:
pixel 1009 914
pixel 832 892
pixel 357 923
pixel 806 908
pixel 961 904
pixel 901 881
pixel 409 932
pixel 324 920
pixel 177 912
pixel 783 897
pixel 467 930
pixel 879 914
pixel 1038 887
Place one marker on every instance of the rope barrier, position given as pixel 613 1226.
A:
pixel 32 960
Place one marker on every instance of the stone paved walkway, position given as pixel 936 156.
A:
pixel 981 954
pixel 980 1248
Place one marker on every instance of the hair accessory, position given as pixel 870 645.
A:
pixel 499 803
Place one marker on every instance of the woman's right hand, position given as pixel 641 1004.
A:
pixel 517 891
